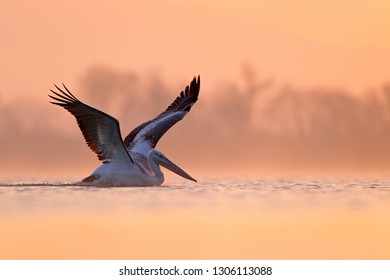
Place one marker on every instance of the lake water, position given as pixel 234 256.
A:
pixel 317 218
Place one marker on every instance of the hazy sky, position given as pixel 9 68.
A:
pixel 306 43
pixel 277 77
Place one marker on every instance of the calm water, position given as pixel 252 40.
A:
pixel 207 195
pixel 215 218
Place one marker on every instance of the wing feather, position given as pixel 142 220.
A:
pixel 145 136
pixel 100 130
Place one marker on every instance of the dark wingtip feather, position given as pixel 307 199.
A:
pixel 65 97
pixel 187 97
pixel 195 87
pixel 56 103
pixel 68 91
pixel 198 84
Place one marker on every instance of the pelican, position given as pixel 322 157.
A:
pixel 133 161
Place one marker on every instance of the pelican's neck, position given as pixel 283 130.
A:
pixel 155 166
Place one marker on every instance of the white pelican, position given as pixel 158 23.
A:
pixel 133 161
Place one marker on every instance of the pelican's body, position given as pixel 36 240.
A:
pixel 133 161
pixel 123 174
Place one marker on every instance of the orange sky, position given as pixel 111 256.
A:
pixel 313 47
pixel 150 50
pixel 311 43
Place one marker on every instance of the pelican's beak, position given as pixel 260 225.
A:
pixel 164 161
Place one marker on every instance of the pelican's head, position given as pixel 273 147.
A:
pixel 162 160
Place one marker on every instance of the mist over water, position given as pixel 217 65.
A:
pixel 249 124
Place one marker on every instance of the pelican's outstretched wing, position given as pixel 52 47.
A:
pixel 100 130
pixel 145 137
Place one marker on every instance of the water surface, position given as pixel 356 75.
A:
pixel 321 218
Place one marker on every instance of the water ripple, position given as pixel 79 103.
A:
pixel 257 196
